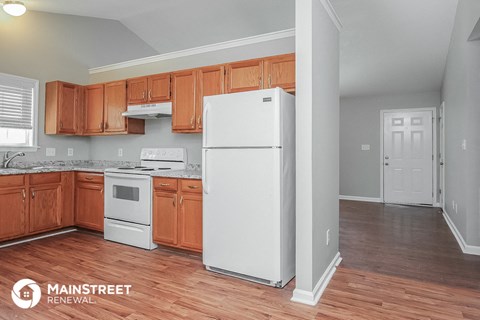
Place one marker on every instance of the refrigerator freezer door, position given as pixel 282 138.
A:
pixel 241 211
pixel 246 119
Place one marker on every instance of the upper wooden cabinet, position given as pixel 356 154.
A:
pixel 104 105
pixel 62 108
pixel 93 113
pixel 244 76
pixel 279 71
pixel 115 105
pixel 150 89
pixel 184 100
pixel 211 81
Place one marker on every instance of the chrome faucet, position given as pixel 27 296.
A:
pixel 7 159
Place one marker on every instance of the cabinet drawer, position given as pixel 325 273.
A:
pixel 168 184
pixel 89 177
pixel 12 181
pixel 45 178
pixel 189 185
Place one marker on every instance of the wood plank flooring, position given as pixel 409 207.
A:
pixel 399 263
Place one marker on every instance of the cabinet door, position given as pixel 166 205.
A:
pixel 89 206
pixel 137 90
pixel 183 108
pixel 165 218
pixel 45 207
pixel 159 87
pixel 280 72
pixel 211 81
pixel 68 107
pixel 115 105
pixel 93 121
pixel 12 213
pixel 244 76
pixel 191 221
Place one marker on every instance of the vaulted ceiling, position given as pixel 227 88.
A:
pixel 387 46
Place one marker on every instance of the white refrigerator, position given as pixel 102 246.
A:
pixel 248 162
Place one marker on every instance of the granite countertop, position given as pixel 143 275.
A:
pixel 193 171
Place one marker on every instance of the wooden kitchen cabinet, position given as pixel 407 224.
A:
pixel 244 76
pixel 12 212
pixel 177 213
pixel 115 105
pixel 165 217
pixel 279 71
pixel 184 101
pixel 45 194
pixel 63 103
pixel 211 81
pixel 190 217
pixel 149 89
pixel 89 200
pixel 189 88
pixel 93 112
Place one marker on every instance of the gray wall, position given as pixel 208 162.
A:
pixel 317 126
pixel 50 47
pixel 158 133
pixel 462 98
pixel 360 124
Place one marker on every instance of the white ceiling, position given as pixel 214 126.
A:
pixel 387 46
pixel 393 46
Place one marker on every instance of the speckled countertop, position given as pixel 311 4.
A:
pixel 193 170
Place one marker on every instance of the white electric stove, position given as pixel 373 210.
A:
pixel 128 196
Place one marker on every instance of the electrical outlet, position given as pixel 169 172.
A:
pixel 365 147
pixel 120 152
pixel 464 144
pixel 70 152
pixel 50 152
pixel 328 237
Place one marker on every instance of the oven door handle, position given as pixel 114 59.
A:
pixel 127 176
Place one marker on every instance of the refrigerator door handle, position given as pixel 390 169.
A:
pixel 205 127
pixel 204 172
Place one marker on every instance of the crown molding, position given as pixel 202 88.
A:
pixel 332 14
pixel 288 33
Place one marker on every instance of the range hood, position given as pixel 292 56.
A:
pixel 149 111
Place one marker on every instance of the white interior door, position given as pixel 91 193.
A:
pixel 408 157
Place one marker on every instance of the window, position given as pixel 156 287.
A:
pixel 18 113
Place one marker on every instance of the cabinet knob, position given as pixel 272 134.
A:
pixel 192 121
pixel 193 187
pixel 181 200
pixel 164 184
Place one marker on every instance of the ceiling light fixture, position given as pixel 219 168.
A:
pixel 14 8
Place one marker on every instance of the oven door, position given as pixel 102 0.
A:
pixel 128 197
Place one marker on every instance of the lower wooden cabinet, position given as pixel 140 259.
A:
pixel 165 217
pixel 45 207
pixel 177 213
pixel 12 213
pixel 89 200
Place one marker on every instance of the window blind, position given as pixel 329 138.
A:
pixel 16 102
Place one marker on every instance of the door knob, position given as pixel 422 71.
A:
pixel 386 163
pixel 387 157
pixel 441 163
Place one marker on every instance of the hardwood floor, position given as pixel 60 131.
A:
pixel 399 263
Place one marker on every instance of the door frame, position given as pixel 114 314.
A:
pixel 442 153
pixel 434 150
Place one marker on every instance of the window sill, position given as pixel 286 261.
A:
pixel 24 149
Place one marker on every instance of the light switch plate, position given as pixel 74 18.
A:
pixel 464 144
pixel 365 147
pixel 70 152
pixel 120 152
pixel 50 152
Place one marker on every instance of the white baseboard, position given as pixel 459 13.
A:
pixel 312 297
pixel 354 198
pixel 55 233
pixel 466 248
